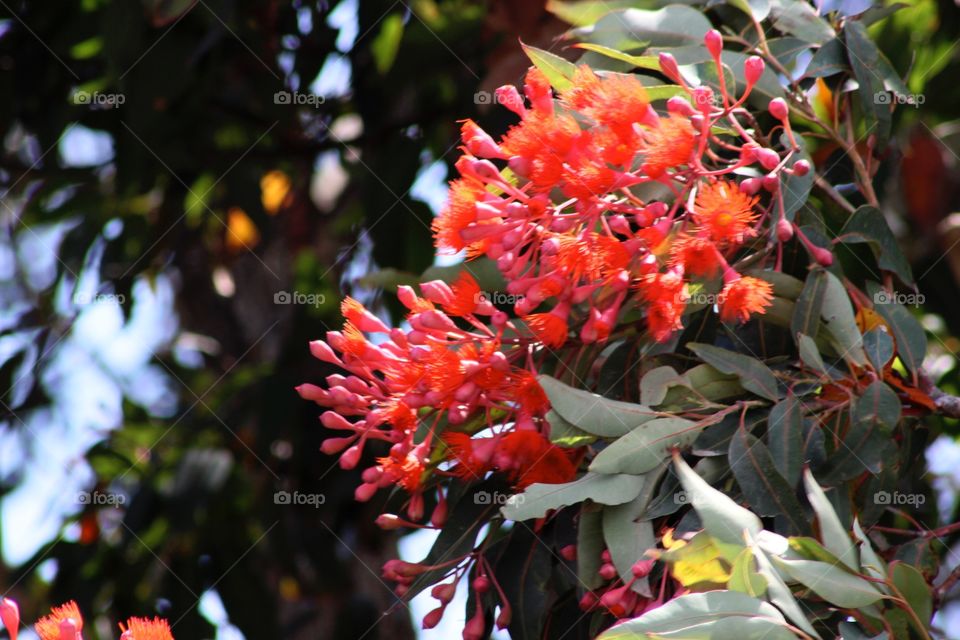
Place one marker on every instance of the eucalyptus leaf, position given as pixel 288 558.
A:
pixel 558 71
pixel 765 490
pixel 538 499
pixel 832 533
pixel 869 226
pixel 831 582
pixel 754 375
pixel 806 314
pixel 646 446
pixel 910 338
pixel 722 518
pixel 840 323
pixel 593 413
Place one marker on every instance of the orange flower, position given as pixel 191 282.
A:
pixel 529 393
pixel 725 212
pixel 460 211
pixel 146 629
pixel 668 145
pixel 697 255
pixel 48 627
pixel 743 297
pixel 532 459
pixel 548 328
pixel 405 472
pixel 616 101
pixel 466 296
pixel 667 298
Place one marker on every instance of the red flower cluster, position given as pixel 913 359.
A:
pixel 557 203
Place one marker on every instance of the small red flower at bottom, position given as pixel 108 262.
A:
pixel 743 297
pixel 50 627
pixel 146 629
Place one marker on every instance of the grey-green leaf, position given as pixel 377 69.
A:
pixel 806 313
pixel 868 225
pixel 754 375
pixel 593 413
pixel 840 322
pixel 646 446
pixel 831 582
pixel 538 499
pixel 765 490
pixel 722 518
pixel 833 534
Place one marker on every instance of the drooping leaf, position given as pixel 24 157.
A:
pixel 627 536
pixel 911 341
pixel 538 499
pixel 806 313
pixel 840 323
pixel 833 534
pixel 765 490
pixel 744 576
pixel 646 446
pixel 589 545
pixel 912 586
pixel 718 615
pixel 785 438
pixel 810 354
pixel 657 382
pixel 879 347
pixel 795 189
pixel 830 59
pixel 593 413
pixel 758 9
pixel 722 518
pixel 831 582
pixel 868 225
pixel 865 60
pixel 641 62
pixel 672 26
pixel 585 12
pixel 777 590
pixel 754 375
pixel 564 434
pixel 799 19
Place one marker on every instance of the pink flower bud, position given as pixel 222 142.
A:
pixel 322 351
pixel 642 568
pixel 778 109
pixel 771 182
pixel 801 168
pixel 680 106
pixel 364 492
pixel 503 620
pixel 444 592
pixel 714 42
pixel 10 614
pixel 350 457
pixel 509 97
pixel 433 618
pixel 569 552
pixel 69 629
pixel 753 69
pixel 389 522
pixel 823 257
pixel 784 230
pixel 608 571
pixel 332 446
pixel 668 65
pixel 750 186
pixel 481 584
pixel 768 158
pixel 703 99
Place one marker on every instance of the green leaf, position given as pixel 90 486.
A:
pixel 778 592
pixel 870 562
pixel 810 354
pixel 664 91
pixel 593 413
pixel 642 62
pixel 387 43
pixel 589 545
pixel 657 382
pixel 755 376
pixel 806 313
pixel 911 584
pixel 840 323
pixel 832 533
pixel 765 490
pixel 795 189
pixel 585 12
pixel 564 434
pixel 722 518
pixel 879 347
pixel 831 582
pixel 646 446
pixel 829 60
pixel 910 338
pixel 868 225
pixel 538 499
pixel 626 538
pixel 784 435
pixel 878 405
pixel 758 9
pixel 744 576
pixel 557 70
pixel 865 59
pixel 672 26
pixel 717 615
pixel 798 18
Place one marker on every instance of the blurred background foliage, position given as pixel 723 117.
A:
pixel 151 244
